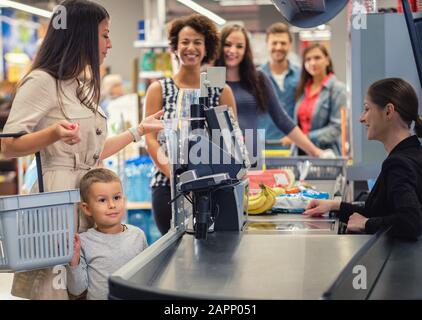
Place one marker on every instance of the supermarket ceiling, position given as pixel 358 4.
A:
pixel 211 4
pixel 253 13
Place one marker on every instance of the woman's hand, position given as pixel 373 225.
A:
pixel 327 154
pixel 151 123
pixel 67 132
pixel 356 223
pixel 285 141
pixel 317 208
pixel 76 251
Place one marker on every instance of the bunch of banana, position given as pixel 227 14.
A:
pixel 279 190
pixel 263 201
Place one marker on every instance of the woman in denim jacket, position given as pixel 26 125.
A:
pixel 319 99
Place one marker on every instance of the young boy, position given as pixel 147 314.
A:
pixel 105 248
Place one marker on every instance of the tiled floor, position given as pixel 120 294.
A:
pixel 6 280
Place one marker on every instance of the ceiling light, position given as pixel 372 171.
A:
pixel 244 2
pixel 196 7
pixel 26 8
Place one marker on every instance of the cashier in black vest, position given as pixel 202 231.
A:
pixel 390 108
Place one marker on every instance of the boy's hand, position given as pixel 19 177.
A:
pixel 76 251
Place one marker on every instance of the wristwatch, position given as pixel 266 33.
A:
pixel 135 133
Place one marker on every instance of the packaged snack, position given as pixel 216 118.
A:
pixel 296 203
pixel 291 203
pixel 283 178
pixel 315 194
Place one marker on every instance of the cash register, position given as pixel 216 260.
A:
pixel 209 174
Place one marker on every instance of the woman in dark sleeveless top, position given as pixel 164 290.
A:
pixel 254 93
pixel 194 41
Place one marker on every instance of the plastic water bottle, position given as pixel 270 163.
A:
pixel 138 188
pixel 111 166
pixel 149 169
pixel 143 185
pixel 139 181
pixel 128 183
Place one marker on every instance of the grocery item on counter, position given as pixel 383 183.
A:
pixel 296 203
pixel 291 203
pixel 309 193
pixel 293 190
pixel 283 178
pixel 264 200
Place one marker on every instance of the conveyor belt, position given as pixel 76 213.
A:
pixel 235 266
pixel 291 224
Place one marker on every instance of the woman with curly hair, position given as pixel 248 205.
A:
pixel 194 41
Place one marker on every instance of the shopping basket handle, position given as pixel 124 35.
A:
pixel 37 157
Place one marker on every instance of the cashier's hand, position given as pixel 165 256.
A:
pixel 356 223
pixel 285 141
pixel 317 208
pixel 67 132
pixel 76 251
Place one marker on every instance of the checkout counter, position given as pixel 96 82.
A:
pixel 248 265
pixel 272 257
pixel 254 257
pixel 231 265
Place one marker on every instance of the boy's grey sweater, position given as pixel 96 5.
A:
pixel 101 255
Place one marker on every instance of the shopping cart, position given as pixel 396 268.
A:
pixel 36 230
pixel 320 169
pixel 327 175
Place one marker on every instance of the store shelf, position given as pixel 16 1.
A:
pixel 139 206
pixel 150 44
pixel 151 74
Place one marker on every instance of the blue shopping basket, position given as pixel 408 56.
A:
pixel 36 230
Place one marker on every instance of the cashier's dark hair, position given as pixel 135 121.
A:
pixel 99 175
pixel 250 79
pixel 401 94
pixel 72 52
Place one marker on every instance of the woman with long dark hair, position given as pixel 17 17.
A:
pixel 56 104
pixel 319 99
pixel 253 90
pixel 390 108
